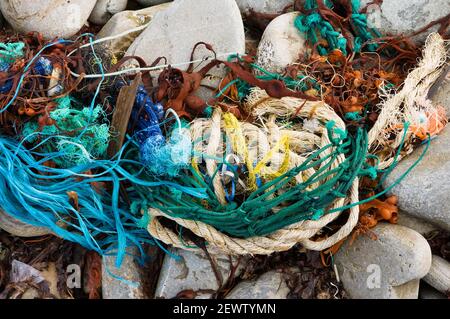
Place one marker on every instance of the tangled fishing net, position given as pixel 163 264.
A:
pixel 271 161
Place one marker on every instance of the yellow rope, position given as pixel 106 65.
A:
pixel 261 166
pixel 239 145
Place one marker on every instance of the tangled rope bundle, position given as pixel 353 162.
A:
pixel 309 162
pixel 306 227
pixel 277 159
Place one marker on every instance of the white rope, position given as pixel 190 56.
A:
pixel 154 68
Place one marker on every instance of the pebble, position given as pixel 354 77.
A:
pixel 174 32
pixel 17 228
pixel 425 192
pixel 404 17
pixel 439 275
pixel 105 9
pixel 131 285
pixel 124 21
pixel 52 18
pixel 263 6
pixel 149 3
pixel 428 292
pixel 192 271
pixel 270 285
pixel 387 268
pixel 281 44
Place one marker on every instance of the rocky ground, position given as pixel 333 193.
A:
pixel 407 261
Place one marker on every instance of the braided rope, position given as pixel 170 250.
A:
pixel 301 141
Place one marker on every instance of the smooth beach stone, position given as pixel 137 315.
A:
pixel 389 267
pixel 20 229
pixel 51 18
pixel 130 284
pixel 270 285
pixel 122 22
pixel 281 44
pixel 105 9
pixel 425 192
pixel 263 6
pixel 404 17
pixel 192 271
pixel 174 32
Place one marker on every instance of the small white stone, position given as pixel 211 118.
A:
pixel 124 21
pixel 20 229
pixel 270 285
pixel 281 44
pixel 404 17
pixel 193 271
pixel 425 192
pixel 439 275
pixel 105 9
pixel 387 268
pixel 174 32
pixel 113 288
pixel 52 18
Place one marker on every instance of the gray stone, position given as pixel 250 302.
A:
pixel 281 44
pixel 124 21
pixel 387 268
pixel 397 17
pixel 270 285
pixel 20 229
pixel 439 275
pixel 440 92
pixel 148 3
pixel 52 18
pixel 263 6
pixel 192 271
pixel 105 9
pixel 425 192
pixel 428 292
pixel 113 288
pixel 420 226
pixel 174 32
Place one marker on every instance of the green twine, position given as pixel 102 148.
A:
pixel 314 26
pixel 10 52
pixel 254 216
pixel 300 83
pixel 64 137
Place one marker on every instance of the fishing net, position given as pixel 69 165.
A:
pixel 302 167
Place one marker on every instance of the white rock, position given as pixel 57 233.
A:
pixel 149 3
pixel 263 6
pixel 270 285
pixel 398 17
pixel 425 192
pixel 192 271
pixel 105 9
pixel 113 288
pixel 174 33
pixel 17 228
pixel 439 275
pixel 281 44
pixel 52 18
pixel 124 21
pixel 387 268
